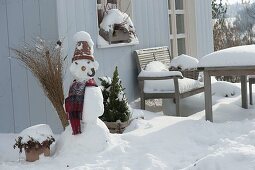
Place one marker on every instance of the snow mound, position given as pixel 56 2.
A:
pixel 235 56
pixel 185 84
pixel 229 154
pixel 115 16
pixel 225 89
pixel 156 69
pixel 156 66
pixel 38 132
pixel 84 36
pixel 184 62
pixel 94 139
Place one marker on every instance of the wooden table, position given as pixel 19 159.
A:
pixel 241 71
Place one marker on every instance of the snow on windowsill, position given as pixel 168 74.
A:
pixel 101 43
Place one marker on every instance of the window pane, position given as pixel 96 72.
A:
pixel 181 46
pixel 170 24
pixel 169 4
pixel 178 4
pixel 180 23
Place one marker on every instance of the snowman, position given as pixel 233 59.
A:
pixel 84 103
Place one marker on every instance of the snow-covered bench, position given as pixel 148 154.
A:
pixel 156 81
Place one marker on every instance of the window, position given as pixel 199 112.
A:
pixel 177 30
pixel 115 24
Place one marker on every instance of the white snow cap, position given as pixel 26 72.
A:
pixel 84 36
pixel 115 16
pixel 235 56
pixel 184 61
pixel 156 66
pixel 38 132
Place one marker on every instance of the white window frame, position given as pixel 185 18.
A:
pixel 173 12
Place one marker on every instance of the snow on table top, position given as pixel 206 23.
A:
pixel 38 132
pixel 235 56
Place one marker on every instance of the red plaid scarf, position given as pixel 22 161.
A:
pixel 74 103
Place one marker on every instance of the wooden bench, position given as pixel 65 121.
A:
pixel 145 56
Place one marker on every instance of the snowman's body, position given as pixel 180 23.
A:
pixel 93 106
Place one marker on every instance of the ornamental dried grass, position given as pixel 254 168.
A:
pixel 44 60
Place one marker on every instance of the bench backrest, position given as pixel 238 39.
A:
pixel 145 56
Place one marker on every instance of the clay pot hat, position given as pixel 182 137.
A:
pixel 84 46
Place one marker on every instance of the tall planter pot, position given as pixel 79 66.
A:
pixel 117 127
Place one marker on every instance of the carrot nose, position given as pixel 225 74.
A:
pixel 83 68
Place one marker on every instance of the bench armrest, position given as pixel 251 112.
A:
pixel 164 75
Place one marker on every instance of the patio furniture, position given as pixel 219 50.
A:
pixel 242 71
pixel 144 57
pixel 238 61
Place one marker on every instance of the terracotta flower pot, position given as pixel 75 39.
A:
pixel 46 151
pixel 32 155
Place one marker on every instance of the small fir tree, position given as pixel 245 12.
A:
pixel 115 103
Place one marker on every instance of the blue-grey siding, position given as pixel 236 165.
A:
pixel 22 102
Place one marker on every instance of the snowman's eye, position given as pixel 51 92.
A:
pixel 88 62
pixel 76 63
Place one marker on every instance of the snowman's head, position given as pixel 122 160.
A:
pixel 83 69
pixel 83 65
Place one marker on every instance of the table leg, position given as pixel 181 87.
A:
pixel 208 97
pixel 244 92
pixel 250 91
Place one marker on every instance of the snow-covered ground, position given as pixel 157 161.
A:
pixel 163 142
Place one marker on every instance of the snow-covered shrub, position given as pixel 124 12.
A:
pixel 32 143
pixel 34 137
pixel 115 102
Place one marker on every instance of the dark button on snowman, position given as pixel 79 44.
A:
pixel 84 103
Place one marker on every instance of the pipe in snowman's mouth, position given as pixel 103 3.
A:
pixel 93 73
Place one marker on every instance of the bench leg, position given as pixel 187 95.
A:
pixel 141 84
pixel 250 92
pixel 177 97
pixel 177 106
pixel 142 103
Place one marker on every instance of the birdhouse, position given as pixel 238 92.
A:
pixel 119 34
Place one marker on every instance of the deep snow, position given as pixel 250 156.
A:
pixel 162 142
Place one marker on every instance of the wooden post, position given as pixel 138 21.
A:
pixel 177 97
pixel 250 91
pixel 141 84
pixel 244 92
pixel 208 97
